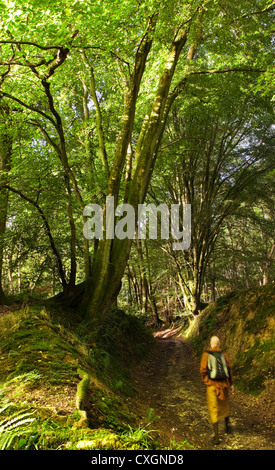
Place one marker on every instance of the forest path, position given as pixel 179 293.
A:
pixel 168 381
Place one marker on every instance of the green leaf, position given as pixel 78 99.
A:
pixel 22 443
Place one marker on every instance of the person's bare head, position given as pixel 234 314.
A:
pixel 214 342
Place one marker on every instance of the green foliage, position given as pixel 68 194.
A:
pixel 69 76
pixel 15 430
pixel 142 437
pixel 259 322
pixel 212 319
pixel 43 362
pixel 139 438
pixel 225 38
pixel 120 338
pixel 180 446
pixel 34 341
pixel 255 366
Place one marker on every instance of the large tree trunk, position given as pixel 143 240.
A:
pixel 143 278
pixel 112 255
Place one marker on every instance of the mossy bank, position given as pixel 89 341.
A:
pixel 65 386
pixel 245 323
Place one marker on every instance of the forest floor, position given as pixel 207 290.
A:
pixel 169 382
pixel 166 383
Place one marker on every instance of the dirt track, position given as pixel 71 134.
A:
pixel 168 381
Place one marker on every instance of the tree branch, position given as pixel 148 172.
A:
pixel 24 64
pixel 99 122
pixel 130 106
pixel 260 12
pixel 60 57
pixel 30 107
pixel 245 69
pixel 30 43
pixel 46 135
pixel 47 228
pixel 3 75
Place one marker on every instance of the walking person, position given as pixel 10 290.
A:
pixel 216 372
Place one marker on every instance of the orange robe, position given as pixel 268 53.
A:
pixel 216 390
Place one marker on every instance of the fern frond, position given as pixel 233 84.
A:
pixel 4 408
pixel 6 440
pixel 14 426
pixel 17 419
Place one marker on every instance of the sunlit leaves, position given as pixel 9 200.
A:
pixel 221 35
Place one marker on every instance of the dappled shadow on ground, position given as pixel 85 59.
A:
pixel 169 382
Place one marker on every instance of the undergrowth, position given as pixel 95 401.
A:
pixel 41 359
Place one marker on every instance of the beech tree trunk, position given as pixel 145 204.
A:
pixel 112 255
